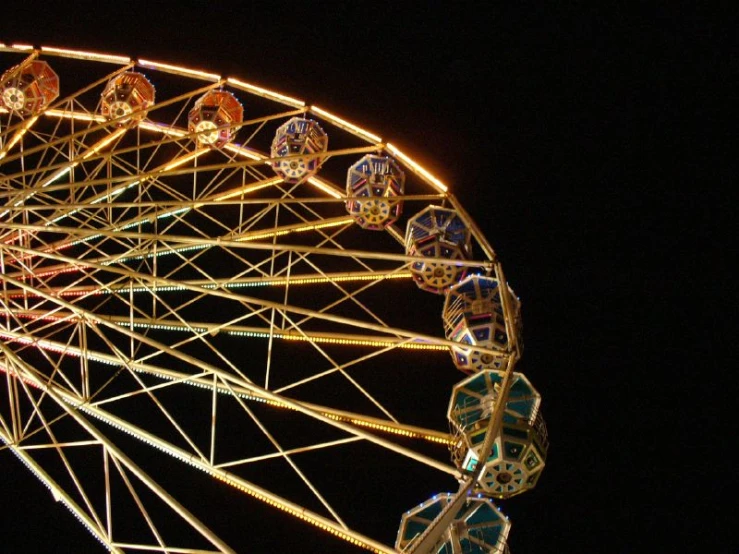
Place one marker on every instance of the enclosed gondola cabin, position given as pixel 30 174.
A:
pixel 474 317
pixel 215 118
pixel 27 89
pixel 126 99
pixel 373 185
pixel 479 527
pixel 520 448
pixel 296 149
pixel 434 233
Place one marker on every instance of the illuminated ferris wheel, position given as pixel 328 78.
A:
pixel 222 276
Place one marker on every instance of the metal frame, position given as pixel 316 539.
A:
pixel 132 255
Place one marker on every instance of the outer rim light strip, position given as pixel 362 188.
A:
pixel 343 124
pixel 81 116
pixel 246 152
pixel 177 162
pixel 319 184
pixel 157 128
pixel 266 93
pixel 21 47
pixel 179 70
pixel 246 189
pixel 405 159
pixel 17 136
pixel 82 55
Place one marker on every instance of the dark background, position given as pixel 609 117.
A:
pixel 588 144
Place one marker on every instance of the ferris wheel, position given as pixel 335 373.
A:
pixel 200 270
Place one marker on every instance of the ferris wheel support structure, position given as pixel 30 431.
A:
pixel 118 458
pixel 207 278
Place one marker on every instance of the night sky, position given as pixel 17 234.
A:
pixel 565 134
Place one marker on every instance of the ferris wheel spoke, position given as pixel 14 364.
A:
pixel 172 378
pixel 60 150
pixel 123 285
pixel 271 396
pixel 205 331
pixel 250 245
pixel 201 329
pixel 137 499
pixel 303 257
pixel 168 382
pixel 6 429
pixel 389 346
pixel 17 428
pixel 195 332
pixel 178 213
pixel 280 253
pixel 247 301
pixel 17 135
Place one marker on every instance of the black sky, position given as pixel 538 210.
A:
pixel 567 132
